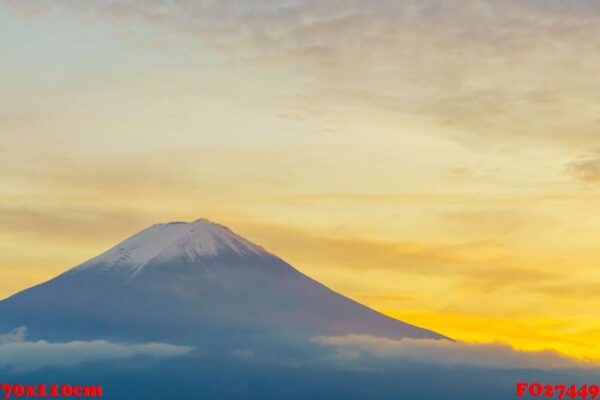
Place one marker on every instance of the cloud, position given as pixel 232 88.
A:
pixel 74 222
pixel 16 336
pixel 472 65
pixel 18 354
pixel 356 348
pixel 464 260
pixel 586 169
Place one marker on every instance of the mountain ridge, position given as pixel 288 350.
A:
pixel 195 282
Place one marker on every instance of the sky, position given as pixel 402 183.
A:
pixel 436 160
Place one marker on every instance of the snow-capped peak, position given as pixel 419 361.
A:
pixel 193 240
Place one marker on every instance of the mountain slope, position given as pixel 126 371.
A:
pixel 193 282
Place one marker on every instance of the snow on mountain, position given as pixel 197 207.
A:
pixel 201 238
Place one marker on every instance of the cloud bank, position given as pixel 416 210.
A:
pixel 362 351
pixel 357 348
pixel 18 354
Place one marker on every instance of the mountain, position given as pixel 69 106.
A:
pixel 195 282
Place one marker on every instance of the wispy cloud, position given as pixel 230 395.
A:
pixel 18 354
pixel 473 65
pixel 586 169
pixel 462 260
pixel 353 348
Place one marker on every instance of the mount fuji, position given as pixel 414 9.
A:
pixel 191 283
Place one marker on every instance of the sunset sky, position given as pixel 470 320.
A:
pixel 437 160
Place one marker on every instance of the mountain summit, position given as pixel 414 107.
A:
pixel 173 241
pixel 194 283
